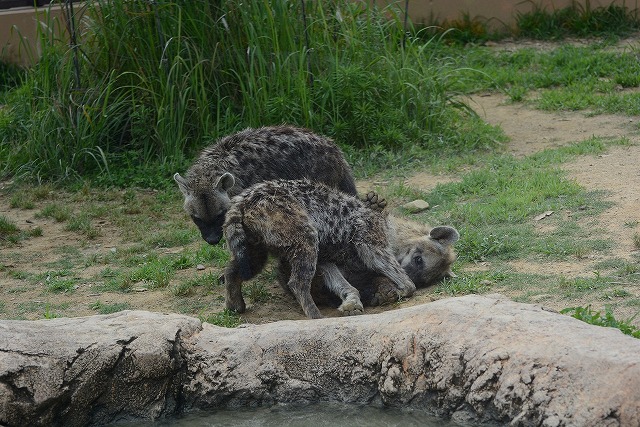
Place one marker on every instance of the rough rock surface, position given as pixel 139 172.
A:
pixel 469 358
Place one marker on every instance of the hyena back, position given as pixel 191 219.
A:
pixel 237 161
pixel 306 224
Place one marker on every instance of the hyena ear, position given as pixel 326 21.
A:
pixel 182 184
pixel 225 182
pixel 445 234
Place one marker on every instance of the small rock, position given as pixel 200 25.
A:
pixel 113 250
pixel 200 267
pixel 416 206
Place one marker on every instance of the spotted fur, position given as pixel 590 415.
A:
pixel 243 159
pixel 310 227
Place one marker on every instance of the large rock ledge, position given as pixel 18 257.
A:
pixel 472 358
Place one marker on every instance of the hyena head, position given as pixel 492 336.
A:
pixel 427 259
pixel 207 206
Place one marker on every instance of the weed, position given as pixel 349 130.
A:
pixel 102 308
pixel 225 318
pixel 616 293
pixel 8 229
pixel 56 211
pixel 20 201
pixel 82 223
pixel 171 237
pixel 257 292
pixel 474 283
pixel 49 313
pixel 588 315
pixel 636 240
pixel 182 289
pixel 60 284
pixel 10 233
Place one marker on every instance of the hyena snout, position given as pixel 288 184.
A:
pixel 211 231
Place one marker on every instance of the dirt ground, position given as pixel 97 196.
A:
pixel 617 172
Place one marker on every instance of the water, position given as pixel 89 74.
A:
pixel 316 415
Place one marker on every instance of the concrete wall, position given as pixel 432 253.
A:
pixel 19 31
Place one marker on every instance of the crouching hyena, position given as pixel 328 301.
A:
pixel 240 160
pixel 310 227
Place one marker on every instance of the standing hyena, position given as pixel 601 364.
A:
pixel 240 160
pixel 306 225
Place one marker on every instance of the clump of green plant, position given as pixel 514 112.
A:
pixel 257 292
pixel 186 288
pixel 8 228
pixel 58 281
pixel 474 283
pixel 103 308
pixel 607 319
pixel 82 223
pixel 58 212
pixel 11 233
pixel 225 318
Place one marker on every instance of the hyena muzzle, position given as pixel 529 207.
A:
pixel 238 161
pixel 310 227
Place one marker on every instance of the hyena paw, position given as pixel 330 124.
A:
pixel 374 202
pixel 385 293
pixel 237 306
pixel 351 306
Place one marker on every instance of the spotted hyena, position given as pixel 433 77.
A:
pixel 310 227
pixel 238 161
pixel 426 254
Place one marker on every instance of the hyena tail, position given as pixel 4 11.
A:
pixel 237 242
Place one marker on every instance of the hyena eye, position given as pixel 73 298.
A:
pixel 417 260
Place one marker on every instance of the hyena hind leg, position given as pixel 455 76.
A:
pixel 335 282
pixel 303 268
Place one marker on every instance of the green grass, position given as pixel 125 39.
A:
pixel 55 211
pixel 10 233
pixel 103 308
pixel 152 87
pixel 188 287
pixel 225 318
pixel 494 206
pixel 606 319
pixel 592 77
pixel 470 283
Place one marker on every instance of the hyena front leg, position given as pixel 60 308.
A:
pixel 335 282
pixel 382 261
pixel 233 279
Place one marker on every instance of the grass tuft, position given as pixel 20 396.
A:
pixel 606 319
